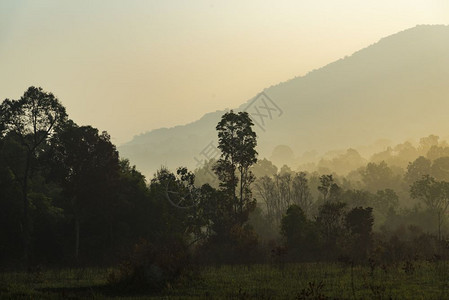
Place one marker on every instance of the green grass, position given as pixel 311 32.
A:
pixel 427 281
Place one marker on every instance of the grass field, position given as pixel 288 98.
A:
pixel 413 280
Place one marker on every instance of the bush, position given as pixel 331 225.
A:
pixel 151 267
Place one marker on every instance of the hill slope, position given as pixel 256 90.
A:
pixel 397 88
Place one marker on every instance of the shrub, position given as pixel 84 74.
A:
pixel 151 266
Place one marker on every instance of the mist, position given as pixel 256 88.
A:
pixel 224 150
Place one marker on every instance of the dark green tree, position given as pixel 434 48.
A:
pixel 86 164
pixel 359 223
pixel 330 220
pixel 11 163
pixel 237 142
pixel 33 119
pixel 301 235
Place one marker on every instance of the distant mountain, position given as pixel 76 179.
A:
pixel 397 88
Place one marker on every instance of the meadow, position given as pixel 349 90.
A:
pixel 406 280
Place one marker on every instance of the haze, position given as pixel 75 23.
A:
pixel 129 67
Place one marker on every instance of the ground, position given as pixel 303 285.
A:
pixel 406 280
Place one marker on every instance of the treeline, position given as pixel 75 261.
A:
pixel 66 197
pixel 402 193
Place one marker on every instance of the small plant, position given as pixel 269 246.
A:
pixel 409 267
pixel 313 291
pixel 35 273
pixel 278 254
pixel 378 290
pixel 384 268
pixel 151 267
pixel 242 295
pixel 372 266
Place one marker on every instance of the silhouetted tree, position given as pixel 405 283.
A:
pixel 33 119
pixel 417 169
pixel 237 142
pixel 359 222
pixel 301 235
pixel 440 168
pixel 264 167
pixel 328 188
pixel 435 194
pixel 378 177
pixel 86 164
pixel 301 192
pixel 330 219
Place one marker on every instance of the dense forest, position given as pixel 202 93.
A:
pixel 67 199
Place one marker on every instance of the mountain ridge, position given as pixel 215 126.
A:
pixel 405 65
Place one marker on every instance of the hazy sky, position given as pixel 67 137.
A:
pixel 131 66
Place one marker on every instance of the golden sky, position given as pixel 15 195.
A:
pixel 131 66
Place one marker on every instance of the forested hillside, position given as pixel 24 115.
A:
pixel 394 89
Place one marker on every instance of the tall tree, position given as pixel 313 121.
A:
pixel 328 188
pixel 301 192
pixel 359 222
pixel 417 169
pixel 87 167
pixel 378 177
pixel 33 119
pixel 330 219
pixel 237 142
pixel 435 194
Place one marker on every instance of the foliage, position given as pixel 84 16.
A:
pixel 263 281
pixel 359 223
pixel 33 119
pixel 302 237
pixel 237 142
pixel 328 188
pixel 151 267
pixel 435 194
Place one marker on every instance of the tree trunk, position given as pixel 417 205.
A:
pixel 77 237
pixel 25 218
pixel 241 191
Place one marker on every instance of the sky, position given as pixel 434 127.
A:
pixel 131 66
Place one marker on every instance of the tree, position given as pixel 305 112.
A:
pixel 440 168
pixel 378 177
pixel 237 142
pixel 86 164
pixel 359 222
pixel 356 197
pixel 301 192
pixel 268 193
pixel 11 161
pixel 426 143
pixel 328 188
pixel 435 194
pixel 436 152
pixel 331 221
pixel 300 234
pixel 33 119
pixel 185 210
pixel 281 191
pixel 385 201
pixel 417 169
pixel 264 167
pixel 293 224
